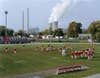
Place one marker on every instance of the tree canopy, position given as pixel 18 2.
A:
pixel 21 33
pixel 58 32
pixel 3 31
pixel 94 29
pixel 74 29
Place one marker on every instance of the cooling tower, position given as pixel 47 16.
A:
pixel 53 25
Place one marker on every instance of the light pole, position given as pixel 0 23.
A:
pixel 6 12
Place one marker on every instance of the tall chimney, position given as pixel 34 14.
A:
pixel 28 20
pixel 23 20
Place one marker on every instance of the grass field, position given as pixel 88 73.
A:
pixel 29 60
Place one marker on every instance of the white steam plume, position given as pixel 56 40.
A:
pixel 61 8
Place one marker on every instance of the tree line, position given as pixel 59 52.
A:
pixel 73 30
pixel 10 32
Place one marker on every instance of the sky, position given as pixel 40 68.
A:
pixel 40 11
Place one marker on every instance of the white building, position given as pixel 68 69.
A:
pixel 82 36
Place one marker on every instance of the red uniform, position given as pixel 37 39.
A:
pixel 72 54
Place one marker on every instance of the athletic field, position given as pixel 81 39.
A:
pixel 29 59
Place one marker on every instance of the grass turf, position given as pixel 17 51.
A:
pixel 28 60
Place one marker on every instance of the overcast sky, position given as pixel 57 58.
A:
pixel 40 10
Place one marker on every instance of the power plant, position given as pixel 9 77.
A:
pixel 53 25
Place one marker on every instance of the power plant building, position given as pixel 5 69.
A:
pixel 53 25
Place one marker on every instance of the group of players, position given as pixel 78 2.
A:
pixel 51 48
pixel 89 53
pixel 6 50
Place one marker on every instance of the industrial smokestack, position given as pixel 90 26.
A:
pixel 28 20
pixel 23 20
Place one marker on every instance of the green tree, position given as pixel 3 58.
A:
pixel 21 33
pixel 98 36
pixel 45 32
pixel 50 31
pixel 10 32
pixel 74 29
pixel 94 29
pixel 78 28
pixel 40 33
pixel 59 32
pixel 3 31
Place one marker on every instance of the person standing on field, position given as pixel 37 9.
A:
pixel 63 51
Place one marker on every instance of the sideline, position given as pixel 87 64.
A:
pixel 36 43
